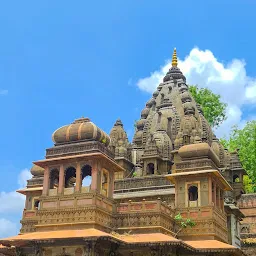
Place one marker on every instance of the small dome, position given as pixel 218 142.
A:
pixel 150 103
pixel 183 87
pixel 37 170
pixel 138 136
pixel 185 96
pixel 141 124
pixel 155 94
pixel 145 112
pixel 175 73
pixel 81 129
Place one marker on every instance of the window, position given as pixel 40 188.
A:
pixel 236 178
pixel 192 193
pixel 36 204
pixel 186 139
pixel 70 177
pixel 54 179
pixel 150 169
pixel 86 176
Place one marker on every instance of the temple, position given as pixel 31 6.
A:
pixel 97 194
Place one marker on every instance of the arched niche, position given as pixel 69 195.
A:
pixel 150 169
pixel 70 177
pixel 86 172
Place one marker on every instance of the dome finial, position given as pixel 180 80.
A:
pixel 174 58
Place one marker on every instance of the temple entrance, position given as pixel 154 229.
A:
pixel 150 169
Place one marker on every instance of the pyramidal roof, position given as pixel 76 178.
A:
pixel 173 113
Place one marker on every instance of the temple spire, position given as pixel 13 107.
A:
pixel 174 58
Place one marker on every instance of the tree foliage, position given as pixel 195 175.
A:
pixel 214 110
pixel 245 140
pixel 184 223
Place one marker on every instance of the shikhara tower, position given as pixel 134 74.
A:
pixel 175 164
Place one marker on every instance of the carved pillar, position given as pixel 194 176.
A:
pixel 210 190
pixel 61 179
pixel 215 194
pixel 94 176
pixel 219 203
pixel 46 181
pixel 111 184
pixel 78 177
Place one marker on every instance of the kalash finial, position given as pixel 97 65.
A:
pixel 174 58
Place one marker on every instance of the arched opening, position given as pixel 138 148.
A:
pixel 150 169
pixel 236 178
pixel 54 179
pixel 70 177
pixel 36 204
pixel 192 193
pixel 169 127
pixel 186 139
pixel 86 177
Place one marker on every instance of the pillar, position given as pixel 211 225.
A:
pixel 78 177
pixel 219 197
pixel 111 184
pixel 61 179
pixel 46 181
pixel 210 190
pixel 94 176
pixel 215 194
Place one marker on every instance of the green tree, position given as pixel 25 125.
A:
pixel 245 140
pixel 214 110
pixel 183 223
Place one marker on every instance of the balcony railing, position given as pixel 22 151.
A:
pixel 142 183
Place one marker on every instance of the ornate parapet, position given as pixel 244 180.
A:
pixel 247 205
pixel 210 223
pixel 145 215
pixel 78 148
pixel 78 210
pixel 142 183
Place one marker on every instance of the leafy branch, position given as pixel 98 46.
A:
pixel 184 223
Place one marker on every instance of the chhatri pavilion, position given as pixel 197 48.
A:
pixel 96 194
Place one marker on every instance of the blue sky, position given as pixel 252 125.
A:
pixel 60 60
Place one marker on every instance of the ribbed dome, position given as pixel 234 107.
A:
pixel 81 129
pixel 37 170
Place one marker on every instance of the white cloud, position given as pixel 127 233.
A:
pixel 230 81
pixel 12 203
pixel 23 177
pixel 7 228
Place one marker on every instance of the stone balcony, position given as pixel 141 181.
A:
pixel 210 222
pixel 144 215
pixel 69 210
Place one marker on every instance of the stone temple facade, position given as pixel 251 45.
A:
pixel 98 194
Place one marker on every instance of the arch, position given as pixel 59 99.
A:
pixel 192 193
pixel 54 178
pixel 236 178
pixel 37 204
pixel 150 169
pixel 86 175
pixel 70 177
